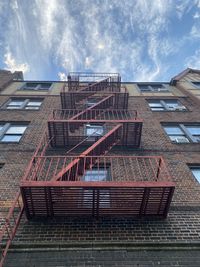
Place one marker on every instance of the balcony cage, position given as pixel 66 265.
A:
pixel 94 82
pixel 77 186
pixel 92 183
pixel 68 127
pixel 73 100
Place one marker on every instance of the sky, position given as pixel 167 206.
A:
pixel 143 40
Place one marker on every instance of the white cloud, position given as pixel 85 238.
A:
pixel 193 61
pixel 12 65
pixel 62 76
pixel 130 37
pixel 88 62
pixel 196 15
pixel 183 7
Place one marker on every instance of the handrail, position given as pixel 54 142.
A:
pixel 10 227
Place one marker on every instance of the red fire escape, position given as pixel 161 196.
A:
pixel 88 181
pixel 72 173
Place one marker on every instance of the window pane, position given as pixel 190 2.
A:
pixel 31 85
pixel 197 84
pixel 13 107
pixel 157 109
pixel 1 126
pixel 144 87
pixel 94 130
pixel 172 103
pixel 39 86
pixel 16 103
pixel 158 104
pixel 194 130
pixel 156 86
pixel 11 138
pixel 45 85
pixel 34 103
pixel 171 130
pixel 95 175
pixel 16 129
pixel 32 107
pixel 178 138
pixel 196 172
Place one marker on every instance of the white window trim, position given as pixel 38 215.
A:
pixel 37 88
pixel 93 137
pixel 187 134
pixel 5 128
pixel 180 107
pixel 195 86
pixel 152 90
pixel 194 166
pixel 104 195
pixel 23 105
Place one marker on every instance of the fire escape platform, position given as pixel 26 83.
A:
pixel 96 199
pixel 133 186
pixel 68 127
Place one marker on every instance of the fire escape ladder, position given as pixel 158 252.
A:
pixel 97 86
pixel 103 104
pixel 82 163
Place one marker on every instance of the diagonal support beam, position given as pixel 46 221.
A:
pixel 100 147
pixel 104 103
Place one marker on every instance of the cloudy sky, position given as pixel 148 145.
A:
pixel 143 40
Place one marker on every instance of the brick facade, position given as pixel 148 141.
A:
pixel 182 225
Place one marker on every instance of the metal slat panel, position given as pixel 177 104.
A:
pixel 96 201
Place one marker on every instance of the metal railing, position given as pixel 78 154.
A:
pixel 10 226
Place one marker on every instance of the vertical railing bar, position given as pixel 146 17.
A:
pixel 48 169
pixel 145 169
pixel 141 178
pixel 41 167
pixel 152 167
pixel 126 174
pixel 57 163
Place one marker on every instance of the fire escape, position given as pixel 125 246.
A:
pixel 75 170
pixel 87 180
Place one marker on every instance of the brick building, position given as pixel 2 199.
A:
pixel 95 172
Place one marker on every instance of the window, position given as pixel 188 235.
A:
pixel 1 165
pixel 11 132
pixel 195 169
pixel 36 86
pixel 166 105
pixel 22 103
pixel 153 87
pixel 91 102
pixel 100 174
pixel 196 85
pixel 183 133
pixel 93 131
pixel 97 174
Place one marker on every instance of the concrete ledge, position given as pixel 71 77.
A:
pixel 128 246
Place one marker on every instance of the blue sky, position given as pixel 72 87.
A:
pixel 143 40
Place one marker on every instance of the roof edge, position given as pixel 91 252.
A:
pixel 176 78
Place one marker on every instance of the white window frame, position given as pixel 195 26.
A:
pixel 38 86
pixel 163 88
pixel 6 127
pixel 186 134
pixel 104 195
pixel 164 105
pixel 24 105
pixel 93 136
pixel 193 167
pixel 196 86
pixel 1 165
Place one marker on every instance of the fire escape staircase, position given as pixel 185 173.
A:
pixel 93 183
